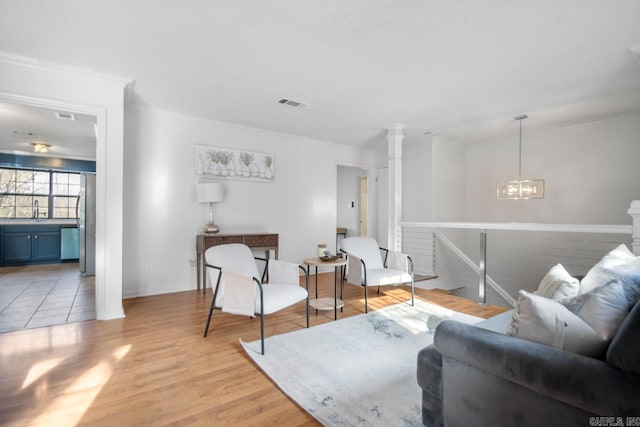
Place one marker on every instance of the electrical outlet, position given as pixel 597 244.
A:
pixel 192 262
pixel 148 266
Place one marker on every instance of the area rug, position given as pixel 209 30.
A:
pixel 358 371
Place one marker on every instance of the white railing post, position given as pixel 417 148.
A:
pixel 433 251
pixel 634 211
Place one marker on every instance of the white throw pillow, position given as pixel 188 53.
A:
pixel 548 322
pixel 598 275
pixel 558 284
pixel 603 308
pixel 626 273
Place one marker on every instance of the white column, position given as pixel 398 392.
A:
pixel 634 211
pixel 394 140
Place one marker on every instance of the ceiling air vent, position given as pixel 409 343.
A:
pixel 65 116
pixel 293 103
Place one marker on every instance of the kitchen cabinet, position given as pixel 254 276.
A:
pixel 29 244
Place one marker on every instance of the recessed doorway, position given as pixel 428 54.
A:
pixel 352 201
pixel 47 220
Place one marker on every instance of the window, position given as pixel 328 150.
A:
pixel 66 187
pixel 28 193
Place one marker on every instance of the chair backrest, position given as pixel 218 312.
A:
pixel 365 248
pixel 283 273
pixel 235 257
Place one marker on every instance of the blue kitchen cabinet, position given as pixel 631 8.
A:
pixel 27 244
pixel 46 246
pixel 16 246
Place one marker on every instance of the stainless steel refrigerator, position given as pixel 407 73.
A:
pixel 86 213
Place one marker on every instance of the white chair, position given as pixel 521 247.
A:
pixel 366 267
pixel 237 288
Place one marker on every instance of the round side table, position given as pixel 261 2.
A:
pixel 328 303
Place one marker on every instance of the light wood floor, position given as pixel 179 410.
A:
pixel 155 368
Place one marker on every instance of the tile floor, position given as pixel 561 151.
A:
pixel 44 295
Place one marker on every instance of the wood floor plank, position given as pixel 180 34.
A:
pixel 155 368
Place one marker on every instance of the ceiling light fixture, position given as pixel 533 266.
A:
pixel 40 147
pixel 520 188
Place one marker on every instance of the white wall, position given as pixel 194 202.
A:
pixel 348 191
pixel 31 82
pixel 162 217
pixel 417 180
pixel 449 163
pixel 591 174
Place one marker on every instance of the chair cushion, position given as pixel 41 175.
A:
pixel 364 248
pixel 282 272
pixel 277 297
pixel 386 276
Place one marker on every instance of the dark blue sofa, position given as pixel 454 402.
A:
pixel 471 376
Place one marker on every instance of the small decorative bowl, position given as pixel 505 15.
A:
pixel 329 258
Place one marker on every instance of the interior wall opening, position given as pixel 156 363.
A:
pixel 47 216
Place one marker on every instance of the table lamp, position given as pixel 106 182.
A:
pixel 210 192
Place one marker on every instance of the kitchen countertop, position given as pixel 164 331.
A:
pixel 52 221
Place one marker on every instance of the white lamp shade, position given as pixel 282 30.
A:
pixel 207 192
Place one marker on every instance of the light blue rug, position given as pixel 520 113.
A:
pixel 358 371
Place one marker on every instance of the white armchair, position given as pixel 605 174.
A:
pixel 366 267
pixel 237 288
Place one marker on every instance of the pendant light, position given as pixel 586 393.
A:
pixel 520 188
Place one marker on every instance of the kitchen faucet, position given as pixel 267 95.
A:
pixel 36 210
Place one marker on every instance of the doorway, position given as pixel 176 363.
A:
pixel 40 279
pixel 382 181
pixel 364 202
pixel 352 202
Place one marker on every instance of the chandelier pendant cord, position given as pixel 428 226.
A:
pixel 520 154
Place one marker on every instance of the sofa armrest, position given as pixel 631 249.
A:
pixel 430 370
pixel 589 384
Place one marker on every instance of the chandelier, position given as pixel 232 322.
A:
pixel 520 188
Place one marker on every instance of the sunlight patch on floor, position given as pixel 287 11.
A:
pixel 79 396
pixel 40 339
pixel 39 369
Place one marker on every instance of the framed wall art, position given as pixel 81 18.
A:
pixel 218 162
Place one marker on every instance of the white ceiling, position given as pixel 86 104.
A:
pixel 459 68
pixel 68 138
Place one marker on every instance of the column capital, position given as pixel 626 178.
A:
pixel 395 130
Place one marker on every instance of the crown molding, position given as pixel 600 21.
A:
pixel 52 67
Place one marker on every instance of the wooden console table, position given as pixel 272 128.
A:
pixel 256 241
